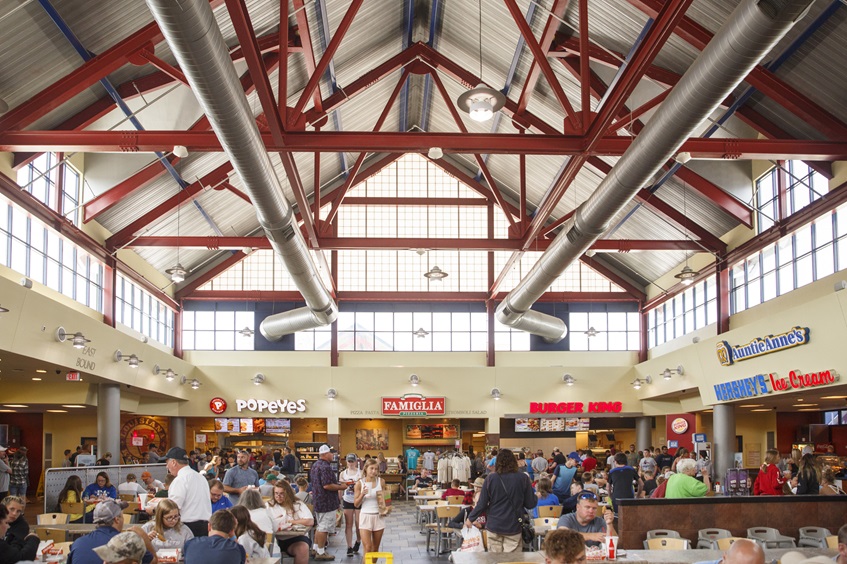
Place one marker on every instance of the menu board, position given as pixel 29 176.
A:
pixel 530 425
pixel 552 425
pixel 433 431
pixel 277 425
pixel 227 425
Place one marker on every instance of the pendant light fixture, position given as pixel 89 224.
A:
pixel 591 332
pixel 481 102
pixel 177 272
pixel 436 274
pixel 246 331
pixel 686 275
pixel 420 333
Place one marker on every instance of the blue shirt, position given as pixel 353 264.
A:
pixel 564 477
pixel 82 550
pixel 222 503
pixel 412 456
pixel 237 478
pixel 550 499
pixel 93 490
pixel 213 550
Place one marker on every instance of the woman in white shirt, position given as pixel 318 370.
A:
pixel 252 500
pixel 350 476
pixel 167 530
pixel 250 536
pixel 287 513
pixel 369 495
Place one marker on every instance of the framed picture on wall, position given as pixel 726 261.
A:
pixel 371 439
pixel 432 431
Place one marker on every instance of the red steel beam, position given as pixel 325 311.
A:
pixel 168 69
pixel 547 36
pixel 308 52
pixel 315 77
pixel 731 205
pixel 289 296
pixel 614 277
pixel 415 142
pixel 760 78
pixel 584 68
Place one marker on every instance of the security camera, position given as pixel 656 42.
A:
pixel 58 372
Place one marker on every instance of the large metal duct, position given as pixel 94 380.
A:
pixel 749 34
pixel 190 29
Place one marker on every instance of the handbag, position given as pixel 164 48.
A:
pixel 527 530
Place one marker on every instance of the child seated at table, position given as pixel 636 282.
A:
pixel 563 546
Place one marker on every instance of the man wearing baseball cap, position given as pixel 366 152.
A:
pixel 325 488
pixel 190 491
pixel 125 548
pixel 150 483
pixel 109 519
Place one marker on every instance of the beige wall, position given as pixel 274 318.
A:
pixel 67 428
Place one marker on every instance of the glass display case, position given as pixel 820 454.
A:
pixel 838 464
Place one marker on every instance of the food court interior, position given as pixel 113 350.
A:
pixel 370 287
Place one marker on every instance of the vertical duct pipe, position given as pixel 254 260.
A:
pixel 749 34
pixel 190 29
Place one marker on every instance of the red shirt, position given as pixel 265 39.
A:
pixel 468 496
pixel 769 481
pixel 589 464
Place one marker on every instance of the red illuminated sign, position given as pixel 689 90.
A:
pixel 798 380
pixel 575 407
pixel 72 377
pixel 217 405
pixel 413 405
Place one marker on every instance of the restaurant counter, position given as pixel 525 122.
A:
pixel 688 516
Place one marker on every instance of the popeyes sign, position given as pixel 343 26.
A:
pixel 413 405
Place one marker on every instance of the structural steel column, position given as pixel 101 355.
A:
pixel 109 420
pixel 643 432
pixel 177 433
pixel 723 443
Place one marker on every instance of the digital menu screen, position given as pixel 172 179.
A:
pixel 277 425
pixel 227 425
pixel 246 426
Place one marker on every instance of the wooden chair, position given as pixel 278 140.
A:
pixel 437 502
pixel 726 542
pixel 832 542
pixel 52 519
pixel 548 523
pixel 128 497
pixel 668 543
pixel 550 511
pixel 443 534
pixel 455 499
pixel 75 508
pixel 56 535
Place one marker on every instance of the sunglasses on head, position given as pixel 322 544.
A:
pixel 587 495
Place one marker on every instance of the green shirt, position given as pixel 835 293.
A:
pixel 683 485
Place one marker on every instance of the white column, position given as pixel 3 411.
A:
pixel 643 432
pixel 723 443
pixel 109 421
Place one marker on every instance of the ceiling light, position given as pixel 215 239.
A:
pixel 177 273
pixel 414 380
pixel 72 405
pixel 258 379
pixel 763 410
pixel 132 359
pixel 331 394
pixel 592 332
pixel 481 102
pixel 752 405
pixel 14 405
pixel 833 397
pixel 568 380
pixel 435 153
pixel 496 394
pixel 436 274
pixel 36 379
pixel 638 382
pixel 813 409
pixel 667 373
pixel 180 151
pixel 78 339
pixel 804 405
pixel 246 332
pixel 7 411
pixel 420 333
pixel 41 371
pixel 195 383
pixel 686 275
pixel 57 411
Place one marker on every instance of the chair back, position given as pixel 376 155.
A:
pixel 725 542
pixel 662 534
pixel 832 541
pixel 446 512
pixel 713 534
pixel 56 535
pixel 436 502
pixel 545 522
pixel 76 508
pixel 813 536
pixel 426 492
pixel 667 543
pixel 455 499
pixel 52 519
pixel 550 511
pixel 128 497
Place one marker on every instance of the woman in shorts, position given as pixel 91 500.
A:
pixel 287 511
pixel 350 476
pixel 369 497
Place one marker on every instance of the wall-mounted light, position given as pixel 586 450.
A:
pixel 667 373
pixel 568 380
pixel 78 340
pixel 258 379
pixel 132 359
pixel 638 382
pixel 331 394
pixel 26 283
pixel 414 380
pixel 195 383
pixel 496 394
pixel 169 373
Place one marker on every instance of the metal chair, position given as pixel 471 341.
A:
pixel 707 538
pixel 666 543
pixel 52 519
pixel 550 511
pixel 660 534
pixel 768 537
pixel 813 536
pixel 725 542
pixel 443 533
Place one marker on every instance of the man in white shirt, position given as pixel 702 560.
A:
pixel 131 487
pixel 190 491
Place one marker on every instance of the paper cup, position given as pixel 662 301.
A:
pixel 142 501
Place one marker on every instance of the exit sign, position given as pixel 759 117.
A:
pixel 72 377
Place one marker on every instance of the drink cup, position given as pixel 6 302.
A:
pixel 611 548
pixel 142 501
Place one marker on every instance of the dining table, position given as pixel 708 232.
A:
pixel 640 556
pixel 74 529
